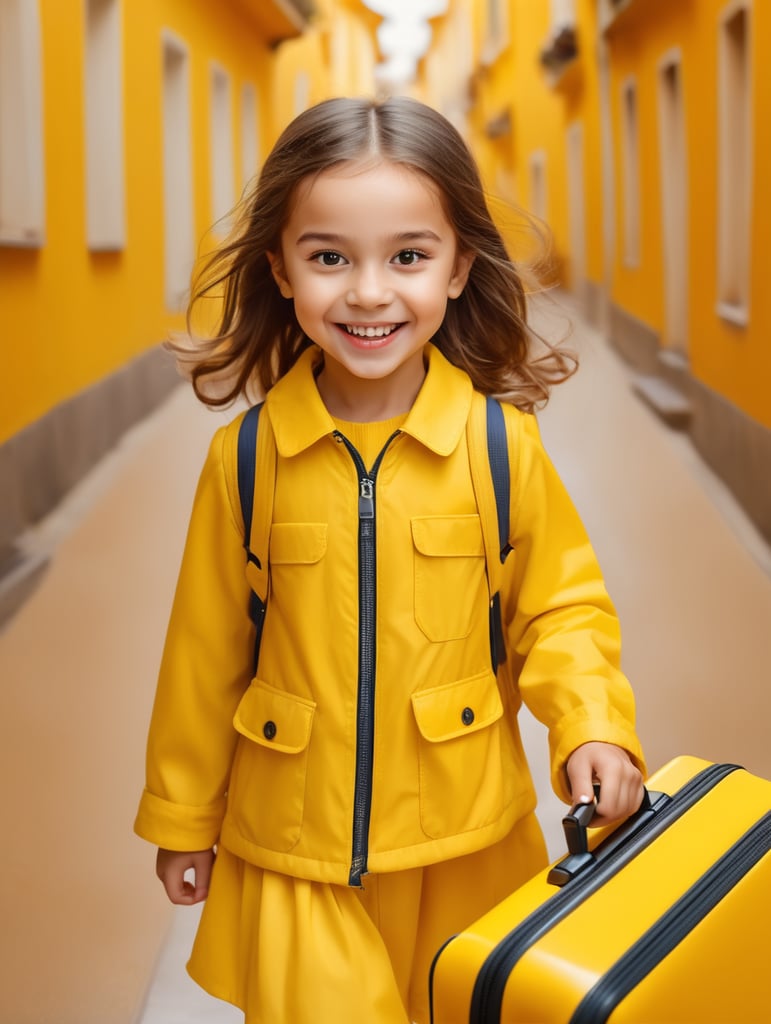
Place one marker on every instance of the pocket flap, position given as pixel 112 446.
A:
pixel 457 709
pixel 275 719
pixel 448 535
pixel 297 543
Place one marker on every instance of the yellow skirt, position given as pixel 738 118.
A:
pixel 288 951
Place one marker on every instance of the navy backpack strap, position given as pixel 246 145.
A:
pixel 498 453
pixel 247 463
pixel 488 446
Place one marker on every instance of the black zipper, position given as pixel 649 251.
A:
pixel 365 707
pixel 673 926
pixel 487 997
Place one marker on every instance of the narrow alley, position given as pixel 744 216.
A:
pixel 689 576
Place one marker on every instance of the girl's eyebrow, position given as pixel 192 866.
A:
pixel 320 237
pixel 402 238
pixel 425 235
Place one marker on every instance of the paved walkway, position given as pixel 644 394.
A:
pixel 83 916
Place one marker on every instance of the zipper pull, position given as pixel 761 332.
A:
pixel 366 499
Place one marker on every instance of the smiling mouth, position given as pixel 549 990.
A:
pixel 370 330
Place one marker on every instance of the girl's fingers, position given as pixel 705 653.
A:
pixel 171 868
pixel 621 787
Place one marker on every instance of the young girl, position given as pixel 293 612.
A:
pixel 366 791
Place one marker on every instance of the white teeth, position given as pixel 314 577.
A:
pixel 370 332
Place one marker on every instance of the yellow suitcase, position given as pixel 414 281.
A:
pixel 664 920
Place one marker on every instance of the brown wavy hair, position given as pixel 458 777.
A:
pixel 257 338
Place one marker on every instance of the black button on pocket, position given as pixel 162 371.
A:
pixel 467 716
pixel 269 730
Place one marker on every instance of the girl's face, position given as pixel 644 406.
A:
pixel 370 260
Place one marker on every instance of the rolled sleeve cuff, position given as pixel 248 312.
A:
pixel 176 826
pixel 581 727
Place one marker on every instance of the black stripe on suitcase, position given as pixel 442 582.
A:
pixel 671 928
pixel 609 858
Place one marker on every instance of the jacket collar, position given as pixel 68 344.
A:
pixel 437 418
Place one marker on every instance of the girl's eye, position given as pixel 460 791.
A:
pixel 328 258
pixel 409 257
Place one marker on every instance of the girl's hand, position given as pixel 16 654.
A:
pixel 621 784
pixel 170 866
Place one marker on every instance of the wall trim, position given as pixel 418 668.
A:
pixel 736 447
pixel 41 463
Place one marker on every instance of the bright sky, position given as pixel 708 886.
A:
pixel 404 34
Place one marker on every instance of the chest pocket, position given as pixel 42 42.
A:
pixel 297 553
pixel 449 567
pixel 297 543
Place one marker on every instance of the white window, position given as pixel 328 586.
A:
pixel 221 137
pixel 734 163
pixel 177 172
pixel 609 10
pixel 302 92
pixel 494 20
pixel 563 12
pixel 105 184
pixel 340 47
pixel 576 208
pixel 497 30
pixel 630 171
pixel 538 190
pixel 22 179
pixel 674 201
pixel 250 142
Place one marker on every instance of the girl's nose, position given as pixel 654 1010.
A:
pixel 369 289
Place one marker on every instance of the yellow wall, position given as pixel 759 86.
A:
pixel 504 81
pixel 733 361
pixel 513 80
pixel 636 52
pixel 582 102
pixel 546 107
pixel 538 119
pixel 70 317
pixel 337 58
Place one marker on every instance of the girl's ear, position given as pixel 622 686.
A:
pixel 279 274
pixel 463 264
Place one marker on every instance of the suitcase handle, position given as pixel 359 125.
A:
pixel 575 824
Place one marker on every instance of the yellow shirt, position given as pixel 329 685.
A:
pixel 369 438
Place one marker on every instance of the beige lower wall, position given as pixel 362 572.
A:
pixel 635 341
pixel 40 464
pixel 736 447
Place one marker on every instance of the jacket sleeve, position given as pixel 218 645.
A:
pixel 563 635
pixel 204 671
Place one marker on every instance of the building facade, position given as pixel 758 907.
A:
pixel 128 131
pixel 634 130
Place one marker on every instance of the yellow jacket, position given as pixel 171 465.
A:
pixel 375 736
